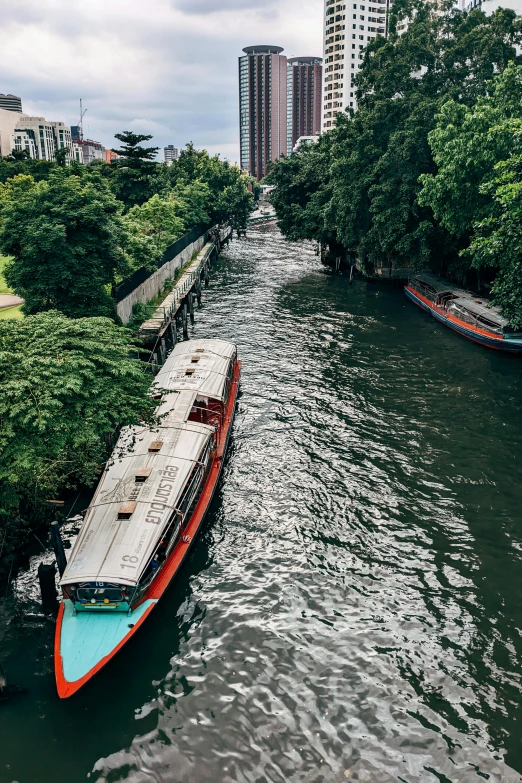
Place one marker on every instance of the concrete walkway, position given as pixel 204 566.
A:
pixel 8 300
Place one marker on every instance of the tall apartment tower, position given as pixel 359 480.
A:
pixel 262 107
pixel 170 153
pixel 348 26
pixel 304 85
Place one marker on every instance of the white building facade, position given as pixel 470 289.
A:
pixel 170 153
pixel 38 137
pixel 348 26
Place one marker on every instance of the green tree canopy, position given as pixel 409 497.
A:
pixel 467 143
pixel 154 226
pixel 65 386
pixel 134 177
pixel 359 187
pixel 65 237
pixel 229 198
pixel 475 193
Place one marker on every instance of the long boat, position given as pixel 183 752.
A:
pixel 147 510
pixel 460 310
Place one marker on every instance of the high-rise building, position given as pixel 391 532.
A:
pixel 170 153
pixel 262 107
pixel 10 102
pixel 348 26
pixel 304 95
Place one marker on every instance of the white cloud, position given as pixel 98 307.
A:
pixel 168 68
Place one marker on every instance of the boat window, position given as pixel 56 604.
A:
pixel 424 288
pixel 484 323
pixel 461 314
pixel 100 595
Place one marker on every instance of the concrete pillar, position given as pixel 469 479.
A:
pixel 191 306
pixel 184 318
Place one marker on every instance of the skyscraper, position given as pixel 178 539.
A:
pixel 262 107
pixel 347 29
pixel 304 85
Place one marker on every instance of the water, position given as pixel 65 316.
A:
pixel 353 608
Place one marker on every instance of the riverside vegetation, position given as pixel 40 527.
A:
pixel 427 173
pixel 68 381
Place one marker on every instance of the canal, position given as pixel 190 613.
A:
pixel 353 609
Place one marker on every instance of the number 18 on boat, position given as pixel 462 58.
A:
pixel 147 510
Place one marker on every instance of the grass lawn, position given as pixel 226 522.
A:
pixel 10 312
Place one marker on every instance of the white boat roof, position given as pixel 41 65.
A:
pixel 483 309
pixel 440 285
pixel 113 550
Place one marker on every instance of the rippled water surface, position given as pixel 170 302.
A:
pixel 353 607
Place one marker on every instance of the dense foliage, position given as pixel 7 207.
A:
pixel 65 236
pixel 73 232
pixel 66 385
pixel 359 188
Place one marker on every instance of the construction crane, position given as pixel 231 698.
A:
pixel 83 112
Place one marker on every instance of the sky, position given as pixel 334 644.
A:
pixel 164 67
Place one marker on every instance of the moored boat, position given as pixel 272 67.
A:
pixel 468 315
pixel 147 510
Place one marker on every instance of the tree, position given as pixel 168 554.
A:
pixel 497 239
pixel 229 199
pixel 60 157
pixel 364 194
pixel 156 224
pixel 38 169
pixel 303 192
pixel 475 191
pixel 65 237
pixel 66 386
pixel 20 155
pixel 135 174
pixel 195 200
pixel 467 143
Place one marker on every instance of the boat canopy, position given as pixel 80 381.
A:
pixel 201 366
pixel 479 310
pixel 439 285
pixel 145 479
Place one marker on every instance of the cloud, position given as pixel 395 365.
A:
pixel 167 68
pixel 213 7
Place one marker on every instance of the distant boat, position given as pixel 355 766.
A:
pixel 147 510
pixel 462 311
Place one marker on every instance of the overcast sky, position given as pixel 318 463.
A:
pixel 165 67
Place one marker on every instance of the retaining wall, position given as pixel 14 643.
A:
pixel 154 284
